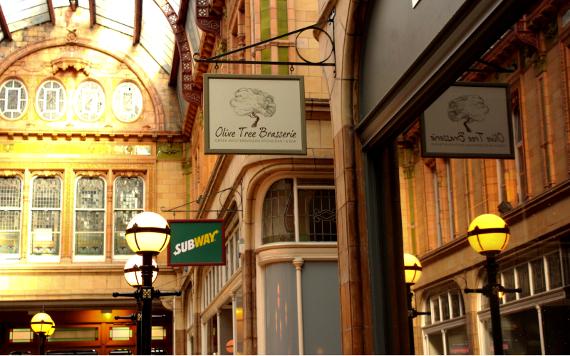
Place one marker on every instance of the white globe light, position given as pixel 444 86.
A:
pixel 412 268
pixel 41 323
pixel 133 273
pixel 147 232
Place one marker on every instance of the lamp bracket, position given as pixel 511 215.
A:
pixel 221 58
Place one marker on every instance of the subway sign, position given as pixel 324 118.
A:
pixel 196 242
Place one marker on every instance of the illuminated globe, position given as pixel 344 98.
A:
pixel 147 232
pixel 488 234
pixel 133 273
pixel 412 268
pixel 41 323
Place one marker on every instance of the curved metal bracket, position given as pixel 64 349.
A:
pixel 305 62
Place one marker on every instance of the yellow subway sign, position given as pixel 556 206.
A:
pixel 196 242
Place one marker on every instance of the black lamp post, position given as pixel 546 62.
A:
pixel 412 273
pixel 488 235
pixel 42 324
pixel 147 235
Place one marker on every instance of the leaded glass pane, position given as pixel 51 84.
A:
pixel 317 215
pixel 538 278
pixel 51 100
pixel 554 270
pixel 46 216
pixel 10 192
pixel 46 193
pixel 129 193
pixel 278 213
pixel 90 193
pixel 89 232
pixel 436 311
pixel 129 198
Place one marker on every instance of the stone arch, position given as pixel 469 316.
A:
pixel 80 42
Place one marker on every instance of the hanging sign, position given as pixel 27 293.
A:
pixel 254 114
pixel 196 242
pixel 469 120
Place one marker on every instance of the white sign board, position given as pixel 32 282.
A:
pixel 469 120
pixel 254 114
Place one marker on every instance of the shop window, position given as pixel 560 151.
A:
pixel 128 201
pixel 13 99
pixel 90 217
pixel 75 334
pixel 315 220
pixel 50 100
pixel 45 216
pixel 10 216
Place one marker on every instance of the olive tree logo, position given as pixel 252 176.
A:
pixel 467 108
pixel 253 102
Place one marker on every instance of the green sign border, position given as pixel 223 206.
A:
pixel 183 230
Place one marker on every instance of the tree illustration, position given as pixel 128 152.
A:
pixel 467 108
pixel 253 103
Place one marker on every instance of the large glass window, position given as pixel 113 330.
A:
pixel 128 201
pixel 45 216
pixel 10 215
pixel 314 220
pixel 90 217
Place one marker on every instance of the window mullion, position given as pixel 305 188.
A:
pixel 296 208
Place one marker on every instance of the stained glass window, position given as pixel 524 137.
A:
pixel 50 100
pixel 46 216
pixel 10 214
pixel 127 102
pixel 13 99
pixel 90 217
pixel 128 201
pixel 89 101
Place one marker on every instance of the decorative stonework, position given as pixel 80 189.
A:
pixel 76 64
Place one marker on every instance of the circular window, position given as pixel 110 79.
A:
pixel 89 101
pixel 127 102
pixel 50 100
pixel 13 99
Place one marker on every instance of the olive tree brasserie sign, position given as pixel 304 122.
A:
pixel 469 120
pixel 196 242
pixel 254 114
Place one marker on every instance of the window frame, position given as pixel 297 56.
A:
pixel 26 99
pixel 44 258
pixel 41 101
pixel 140 210
pixel 296 187
pixel 16 255
pixel 89 258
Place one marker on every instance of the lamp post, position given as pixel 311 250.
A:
pixel 43 325
pixel 412 273
pixel 147 235
pixel 133 276
pixel 488 235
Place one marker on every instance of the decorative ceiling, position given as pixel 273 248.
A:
pixel 142 19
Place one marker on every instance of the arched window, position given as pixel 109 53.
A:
pixel 46 216
pixel 10 215
pixel 301 210
pixel 128 201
